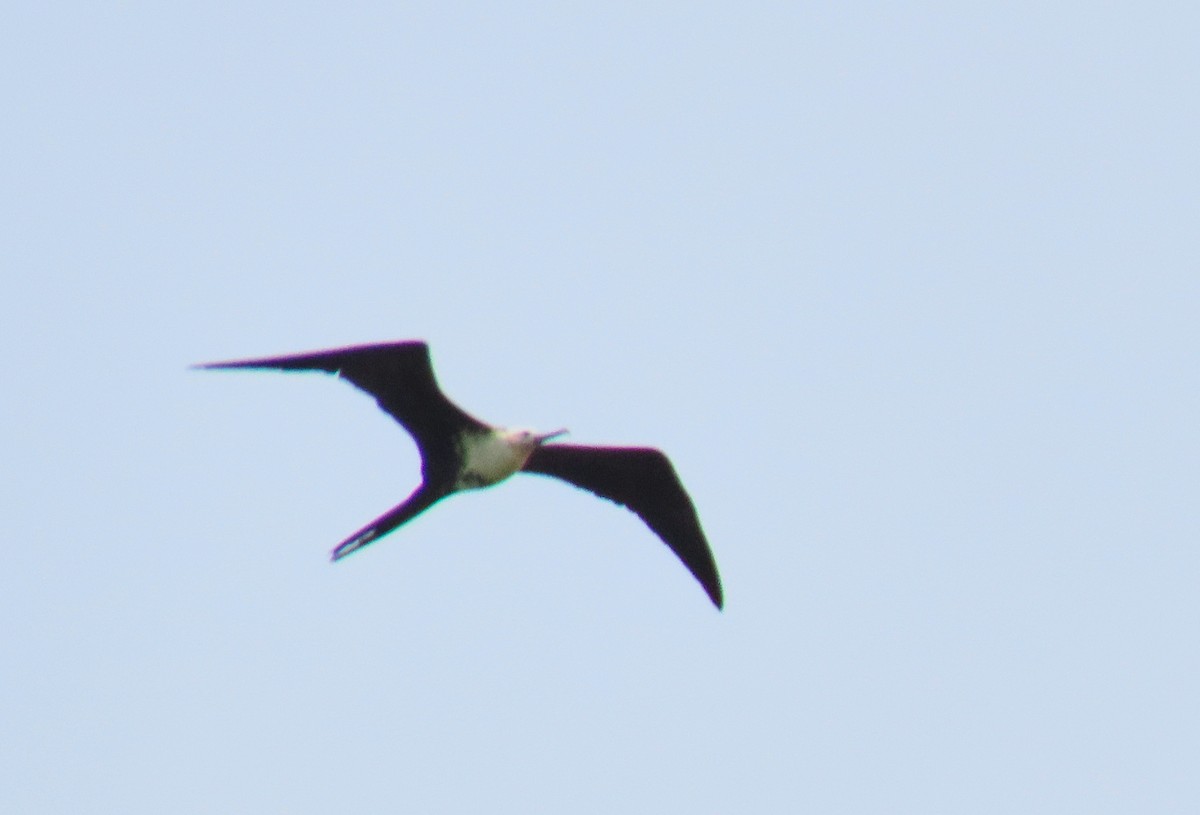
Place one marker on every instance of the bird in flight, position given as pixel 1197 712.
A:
pixel 459 452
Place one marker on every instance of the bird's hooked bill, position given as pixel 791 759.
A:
pixel 460 452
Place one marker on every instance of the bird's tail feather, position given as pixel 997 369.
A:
pixel 413 506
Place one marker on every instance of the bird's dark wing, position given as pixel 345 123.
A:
pixel 400 377
pixel 642 479
pixel 422 499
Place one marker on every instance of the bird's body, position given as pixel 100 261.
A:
pixel 492 456
pixel 459 452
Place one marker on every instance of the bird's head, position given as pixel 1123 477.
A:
pixel 528 440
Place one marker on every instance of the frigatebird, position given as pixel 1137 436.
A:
pixel 460 452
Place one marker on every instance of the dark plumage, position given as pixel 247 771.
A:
pixel 460 452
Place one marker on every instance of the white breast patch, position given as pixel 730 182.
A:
pixel 489 459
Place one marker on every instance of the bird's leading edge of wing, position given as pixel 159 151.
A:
pixel 400 377
pixel 643 480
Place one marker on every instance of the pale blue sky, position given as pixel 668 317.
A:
pixel 909 295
